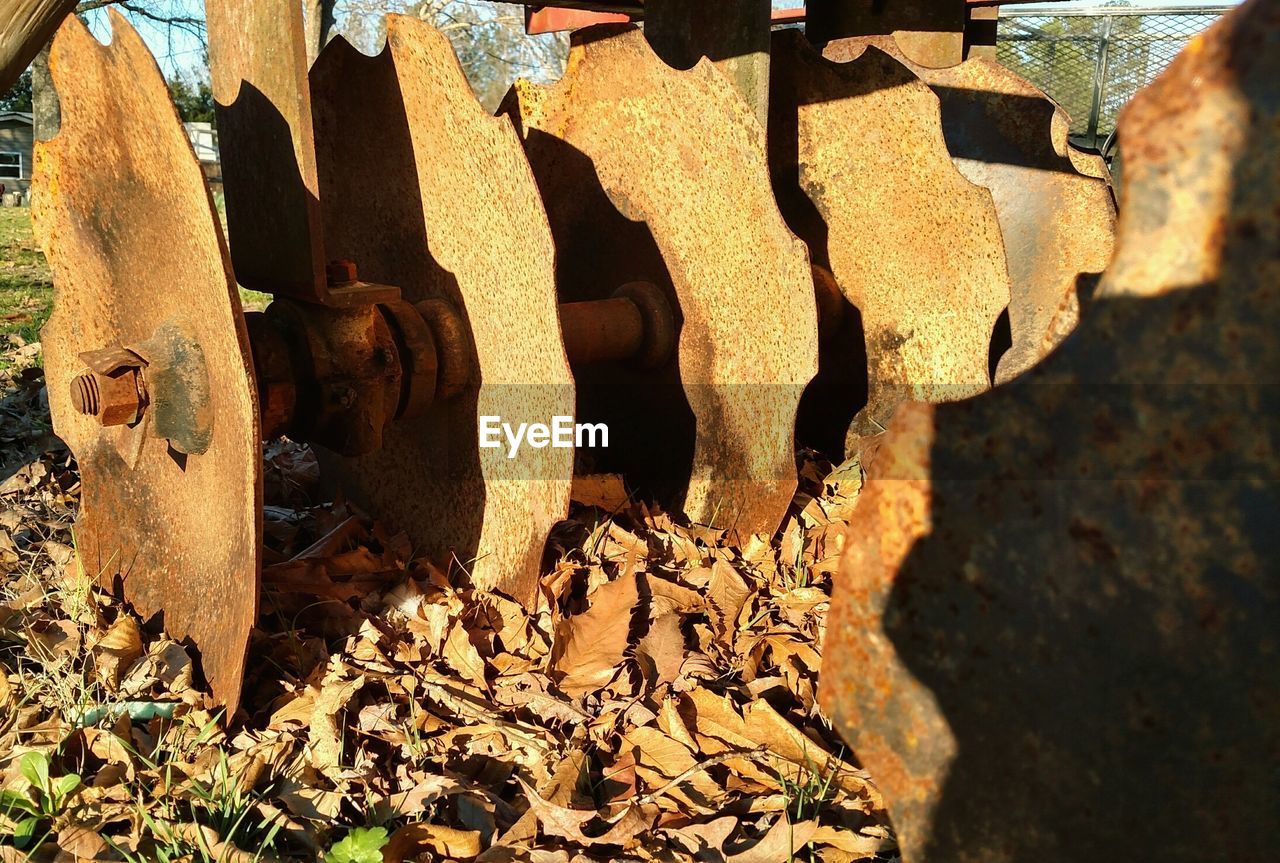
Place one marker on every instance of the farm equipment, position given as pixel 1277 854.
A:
pixel 812 237
pixel 639 220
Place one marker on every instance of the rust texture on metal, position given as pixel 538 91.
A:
pixel 176 389
pixel 258 60
pixel 913 245
pixel 274 374
pixel 636 325
pixel 427 191
pixel 660 332
pixel 111 388
pixel 1058 223
pixel 601 330
pixel 115 399
pixel 1057 616
pixel 340 273
pixel 981 32
pixel 337 377
pixel 418 357
pixel 733 34
pixel 929 32
pixel 348 372
pixel 455 369
pixel 660 175
pixel 134 243
pixel 27 25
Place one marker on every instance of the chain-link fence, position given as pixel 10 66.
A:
pixel 1092 61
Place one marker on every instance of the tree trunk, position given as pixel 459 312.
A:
pixel 26 25
pixel 319 24
pixel 46 112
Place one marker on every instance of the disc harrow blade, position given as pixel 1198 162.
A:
pixel 1058 221
pixel 433 195
pixel 913 245
pixel 931 32
pixel 1059 600
pixel 258 62
pixel 139 263
pixel 660 175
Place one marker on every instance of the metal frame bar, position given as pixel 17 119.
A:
pixel 1114 11
pixel 635 8
pixel 1104 41
pixel 1119 39
pixel 1100 80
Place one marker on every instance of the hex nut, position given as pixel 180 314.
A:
pixel 341 272
pixel 116 399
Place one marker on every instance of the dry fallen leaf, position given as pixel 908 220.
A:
pixel 661 650
pixel 414 839
pixel 117 650
pixel 783 841
pixel 463 657
pixel 621 717
pixel 565 823
pixel 590 646
pixel 324 730
pixel 727 592
pixel 82 842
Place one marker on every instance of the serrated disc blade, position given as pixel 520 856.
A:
pixel 914 246
pixel 431 194
pixel 134 244
pixel 656 174
pixel 1058 222
pixel 1060 601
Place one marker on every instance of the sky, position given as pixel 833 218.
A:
pixel 174 47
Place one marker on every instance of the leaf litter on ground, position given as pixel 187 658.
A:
pixel 658 703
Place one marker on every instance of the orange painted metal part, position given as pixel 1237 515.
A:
pixel 136 250
pixel 1055 624
pixel 550 18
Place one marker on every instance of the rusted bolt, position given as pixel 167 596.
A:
pixel 115 400
pixel 85 397
pixel 341 272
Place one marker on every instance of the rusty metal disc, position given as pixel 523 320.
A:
pixel 257 54
pixel 930 32
pixel 658 175
pixel 431 194
pixel 136 251
pixel 1058 221
pixel 914 246
pixel 1058 611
